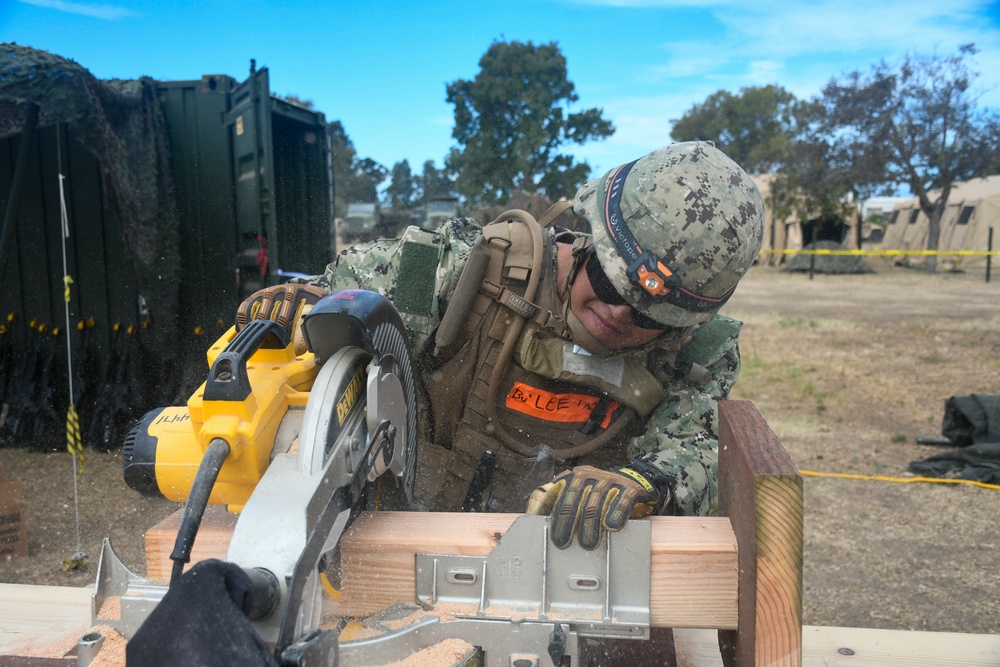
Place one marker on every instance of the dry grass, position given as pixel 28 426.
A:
pixel 848 371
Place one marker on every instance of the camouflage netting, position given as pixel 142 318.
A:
pixel 827 263
pixel 122 124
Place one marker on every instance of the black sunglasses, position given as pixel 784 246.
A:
pixel 607 293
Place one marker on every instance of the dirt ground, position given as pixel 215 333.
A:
pixel 847 370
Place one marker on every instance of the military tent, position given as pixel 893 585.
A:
pixel 795 231
pixel 973 208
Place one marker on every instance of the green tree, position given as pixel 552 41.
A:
pixel 435 183
pixel 402 191
pixel 916 124
pixel 342 158
pixel 751 127
pixel 366 176
pixel 512 120
pixel 811 181
pixel 354 179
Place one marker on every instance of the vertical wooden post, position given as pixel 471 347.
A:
pixel 760 491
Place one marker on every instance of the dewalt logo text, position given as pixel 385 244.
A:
pixel 350 396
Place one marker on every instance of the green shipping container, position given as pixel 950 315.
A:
pixel 181 198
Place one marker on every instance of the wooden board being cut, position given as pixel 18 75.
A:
pixel 693 562
pixel 760 491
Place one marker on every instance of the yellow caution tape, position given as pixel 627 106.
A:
pixel 881 253
pixel 900 480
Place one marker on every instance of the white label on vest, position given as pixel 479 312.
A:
pixel 583 363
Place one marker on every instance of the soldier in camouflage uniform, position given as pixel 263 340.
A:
pixel 601 354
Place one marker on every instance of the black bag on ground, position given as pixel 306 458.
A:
pixel 972 423
pixel 971 419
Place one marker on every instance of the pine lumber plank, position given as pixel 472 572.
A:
pixel 38 614
pixel 685 550
pixel 212 541
pixel 824 646
pixel 868 647
pixel 760 490
pixel 693 562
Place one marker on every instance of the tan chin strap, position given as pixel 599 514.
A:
pixel 510 341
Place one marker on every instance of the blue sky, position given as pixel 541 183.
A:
pixel 381 67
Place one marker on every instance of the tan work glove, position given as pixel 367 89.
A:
pixel 586 501
pixel 285 304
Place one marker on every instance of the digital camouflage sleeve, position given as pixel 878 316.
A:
pixel 680 438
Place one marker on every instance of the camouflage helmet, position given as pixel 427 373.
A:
pixel 675 230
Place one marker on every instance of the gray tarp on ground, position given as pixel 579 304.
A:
pixel 972 423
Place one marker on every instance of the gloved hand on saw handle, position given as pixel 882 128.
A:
pixel 586 501
pixel 285 304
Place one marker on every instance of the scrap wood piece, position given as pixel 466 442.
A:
pixel 212 541
pixel 40 613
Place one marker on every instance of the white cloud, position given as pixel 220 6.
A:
pixel 106 12
pixel 800 46
pixel 641 125
pixel 853 26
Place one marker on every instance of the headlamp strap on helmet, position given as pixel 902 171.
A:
pixel 645 269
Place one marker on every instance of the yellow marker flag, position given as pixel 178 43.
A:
pixel 73 442
pixel 67 280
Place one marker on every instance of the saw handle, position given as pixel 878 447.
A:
pixel 228 379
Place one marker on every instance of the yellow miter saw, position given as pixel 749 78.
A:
pixel 295 444
pixel 298 445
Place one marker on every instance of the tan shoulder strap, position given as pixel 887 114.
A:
pixel 510 250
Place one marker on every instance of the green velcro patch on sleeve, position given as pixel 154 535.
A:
pixel 415 282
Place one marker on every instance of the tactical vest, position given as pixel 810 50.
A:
pixel 509 378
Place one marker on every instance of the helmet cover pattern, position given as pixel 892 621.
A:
pixel 692 206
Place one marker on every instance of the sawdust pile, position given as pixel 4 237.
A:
pixel 447 652
pixel 111 653
pixel 111 610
